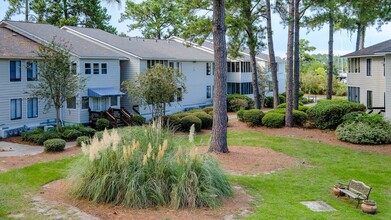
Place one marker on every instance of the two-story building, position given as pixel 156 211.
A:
pixel 369 77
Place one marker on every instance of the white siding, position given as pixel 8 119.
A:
pixel 129 70
pixel 388 86
pixel 375 82
pixel 14 90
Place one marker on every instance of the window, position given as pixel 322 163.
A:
pixel 245 67
pixel 31 71
pixel 353 94
pixel 103 67
pixel 151 63
pixel 369 61
pixel 74 68
pixel 96 68
pixel 114 100
pixel 15 71
pixel 32 107
pixel 354 65
pixel 208 67
pixel 208 92
pixel 213 68
pixel 179 95
pixel 87 68
pixel 71 103
pixel 369 99
pixel 246 88
pixel 16 109
pixel 233 88
pixel 85 102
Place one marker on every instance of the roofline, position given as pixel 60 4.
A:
pixel 360 56
pixel 98 41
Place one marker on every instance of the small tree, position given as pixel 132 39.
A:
pixel 156 88
pixel 56 82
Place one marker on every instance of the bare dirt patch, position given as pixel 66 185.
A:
pixel 9 163
pixel 237 206
pixel 244 160
pixel 328 137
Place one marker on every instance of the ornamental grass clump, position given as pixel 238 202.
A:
pixel 143 167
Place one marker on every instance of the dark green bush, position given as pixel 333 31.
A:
pixel 71 134
pixel 172 121
pixel 273 120
pixel 231 103
pixel 138 120
pixel 31 135
pixel 206 119
pixel 269 101
pixel 102 124
pixel 253 117
pixel 328 114
pixel 81 139
pixel 237 104
pixel 54 145
pixel 182 114
pixel 304 108
pixel 240 114
pixel 363 133
pixel 283 105
pixel 42 137
pixel 87 131
pixel 188 121
pixel 99 134
pixel 207 109
pixel 299 118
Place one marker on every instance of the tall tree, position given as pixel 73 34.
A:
pixel 156 18
pixel 272 57
pixel 289 71
pixel 218 141
pixel 18 7
pixel 244 22
pixel 56 83
pixel 296 65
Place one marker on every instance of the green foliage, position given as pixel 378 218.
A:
pixel 102 124
pixel 188 121
pixel 253 117
pixel 237 104
pixel 182 114
pixel 283 105
pixel 273 120
pixel 269 101
pixel 71 134
pixel 82 139
pixel 87 131
pixel 327 114
pixel 299 118
pixel 156 88
pixel 138 120
pixel 233 106
pixel 207 109
pixel 240 114
pixel 54 145
pixel 362 132
pixel 206 119
pixel 148 168
pixel 304 108
pixel 171 122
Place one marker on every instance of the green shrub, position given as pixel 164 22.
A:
pixel 30 136
pixel 328 114
pixel 82 139
pixel 99 135
pixel 102 124
pixel 304 108
pixel 87 131
pixel 269 101
pixel 364 133
pixel 283 105
pixel 71 134
pixel 206 119
pixel 138 120
pixel 273 120
pixel 237 104
pixel 299 118
pixel 138 173
pixel 182 114
pixel 253 117
pixel 207 109
pixel 188 121
pixel 42 137
pixel 54 145
pixel 240 114
pixel 231 103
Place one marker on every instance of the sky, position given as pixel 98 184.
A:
pixel 344 42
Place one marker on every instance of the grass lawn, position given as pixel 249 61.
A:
pixel 278 195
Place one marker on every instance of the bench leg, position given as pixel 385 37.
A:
pixel 358 203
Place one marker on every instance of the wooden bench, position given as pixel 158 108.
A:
pixel 357 190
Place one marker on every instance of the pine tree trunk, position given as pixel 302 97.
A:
pixel 272 57
pixel 57 118
pixel 296 76
pixel 218 141
pixel 289 72
pixel 358 36
pixel 331 66
pixel 362 37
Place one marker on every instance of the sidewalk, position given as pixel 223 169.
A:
pixel 14 149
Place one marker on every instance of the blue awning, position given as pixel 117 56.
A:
pixel 100 92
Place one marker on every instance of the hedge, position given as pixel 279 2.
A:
pixel 82 139
pixel 273 120
pixel 253 117
pixel 102 124
pixel 188 121
pixel 233 106
pixel 71 134
pixel 206 119
pixel 137 120
pixel 54 145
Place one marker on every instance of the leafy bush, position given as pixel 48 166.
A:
pixel 180 115
pixel 82 139
pixel 102 124
pixel 54 145
pixel 269 101
pixel 87 131
pixel 71 134
pixel 253 117
pixel 273 120
pixel 364 133
pixel 145 168
pixel 299 118
pixel 206 119
pixel 304 108
pixel 240 114
pixel 238 104
pixel 233 106
pixel 189 120
pixel 138 120
pixel 42 137
pixel 327 114
pixel 207 109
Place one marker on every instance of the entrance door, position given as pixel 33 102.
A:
pixel 100 103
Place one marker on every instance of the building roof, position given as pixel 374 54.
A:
pixel 377 49
pixel 44 33
pixel 143 48
pixel 8 39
